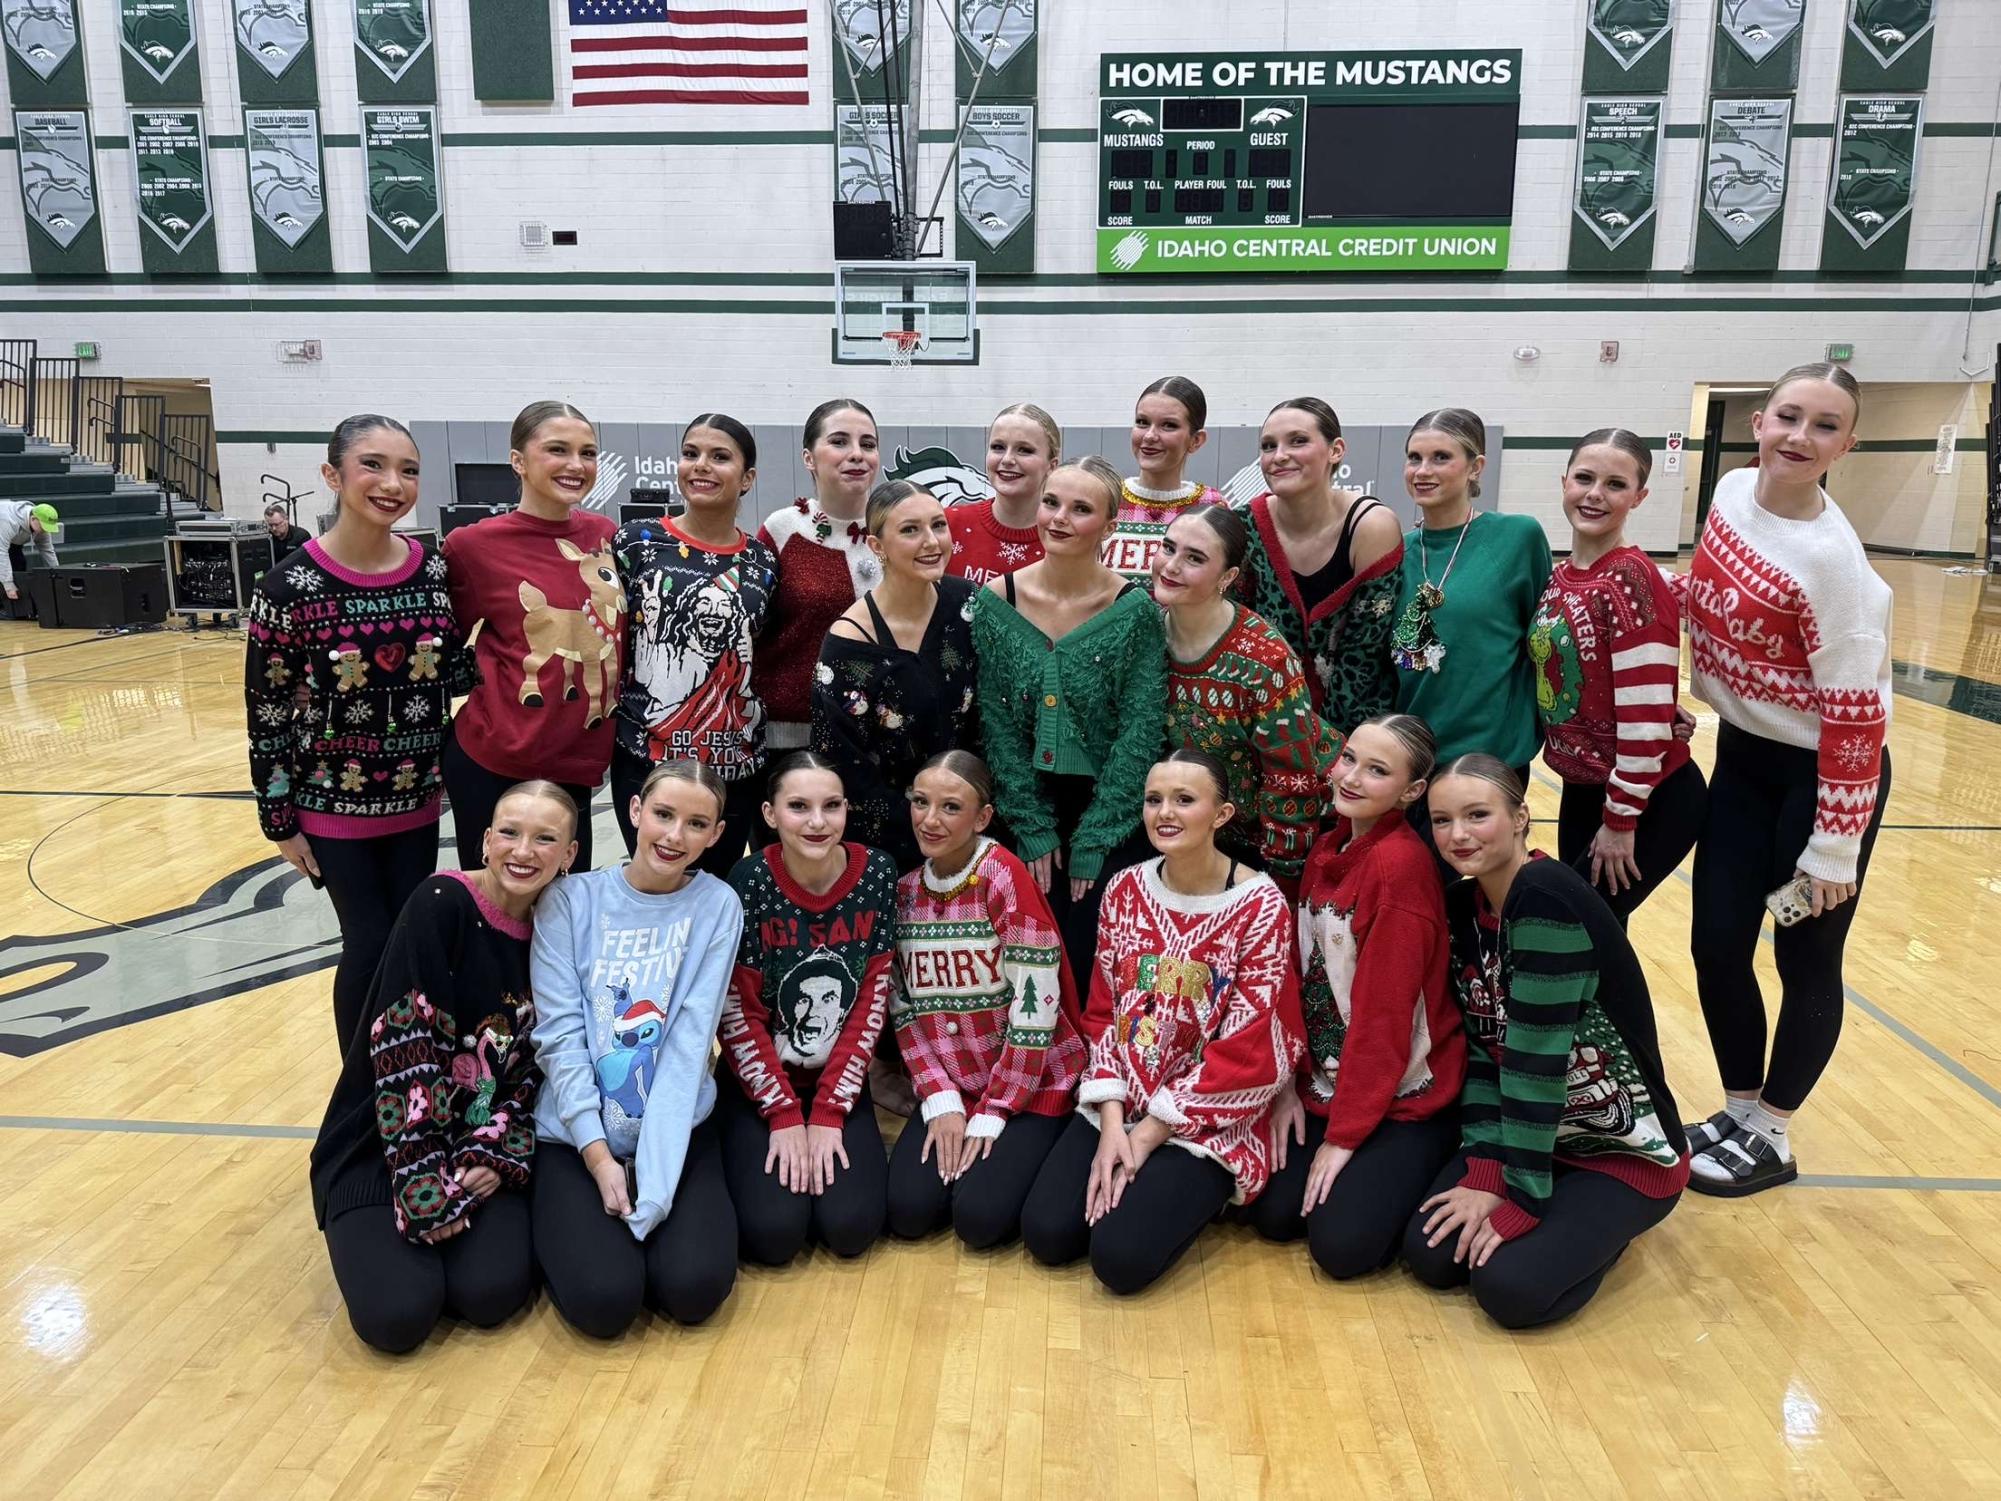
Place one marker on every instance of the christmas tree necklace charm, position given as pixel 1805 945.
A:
pixel 1414 644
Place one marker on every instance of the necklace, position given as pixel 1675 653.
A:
pixel 943 889
pixel 1414 644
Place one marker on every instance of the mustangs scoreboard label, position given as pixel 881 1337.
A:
pixel 1306 161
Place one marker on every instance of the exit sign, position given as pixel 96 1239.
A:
pixel 1840 354
pixel 86 349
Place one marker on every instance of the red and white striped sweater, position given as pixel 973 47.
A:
pixel 1789 630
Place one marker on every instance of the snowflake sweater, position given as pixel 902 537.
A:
pixel 631 986
pixel 1562 1061
pixel 442 1076
pixel 1142 519
pixel 810 992
pixel 695 612
pixel 983 549
pixel 549 649
pixel 984 1007
pixel 1344 641
pixel 1194 1016
pixel 1245 702
pixel 1606 643
pixel 381 658
pixel 822 566
pixel 1383 1033
pixel 1789 637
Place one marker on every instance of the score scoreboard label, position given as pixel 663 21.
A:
pixel 1308 161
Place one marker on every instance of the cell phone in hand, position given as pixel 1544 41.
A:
pixel 1792 902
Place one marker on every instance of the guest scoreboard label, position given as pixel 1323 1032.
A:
pixel 1306 161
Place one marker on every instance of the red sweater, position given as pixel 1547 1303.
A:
pixel 548 653
pixel 823 566
pixel 983 549
pixel 1606 642
pixel 1384 1034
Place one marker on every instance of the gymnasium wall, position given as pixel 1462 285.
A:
pixel 702 274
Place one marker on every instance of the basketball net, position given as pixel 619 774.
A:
pixel 902 343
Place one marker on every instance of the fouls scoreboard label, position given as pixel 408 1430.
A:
pixel 1312 161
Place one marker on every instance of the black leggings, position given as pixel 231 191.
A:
pixel 1162 1211
pixel 1762 797
pixel 1359 1226
pixel 473 791
pixel 774 1223
pixel 983 1207
pixel 743 815
pixel 396 1290
pixel 1666 832
pixel 369 880
pixel 1556 1268
pixel 599 1276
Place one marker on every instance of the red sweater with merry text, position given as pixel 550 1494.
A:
pixel 823 566
pixel 1606 643
pixel 983 549
pixel 1789 632
pixel 549 651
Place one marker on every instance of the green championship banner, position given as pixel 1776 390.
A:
pixel 1757 45
pixel 288 210
pixel 393 58
pixel 1888 44
pixel 274 52
pixel 170 176
pixel 1745 152
pixel 1627 44
pixel 997 36
pixel 1875 181
pixel 156 43
pixel 44 54
pixel 513 51
pixel 996 189
pixel 59 192
pixel 406 208
pixel 1618 161
pixel 875 49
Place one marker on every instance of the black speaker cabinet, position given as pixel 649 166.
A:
pixel 451 518
pixel 864 232
pixel 109 596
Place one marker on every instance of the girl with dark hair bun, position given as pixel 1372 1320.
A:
pixel 541 577
pixel 697 590
pixel 1320 564
pixel 346 723
pixel 1169 425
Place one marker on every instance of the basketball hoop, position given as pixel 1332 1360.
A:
pixel 902 343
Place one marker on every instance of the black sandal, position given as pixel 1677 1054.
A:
pixel 1750 1161
pixel 1710 1132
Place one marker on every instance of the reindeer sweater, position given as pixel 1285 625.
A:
pixel 549 595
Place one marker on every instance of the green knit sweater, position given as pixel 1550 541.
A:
pixel 1087 705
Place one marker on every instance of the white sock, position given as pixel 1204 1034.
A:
pixel 1739 1107
pixel 1771 1127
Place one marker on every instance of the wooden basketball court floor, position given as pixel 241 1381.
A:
pixel 169 1326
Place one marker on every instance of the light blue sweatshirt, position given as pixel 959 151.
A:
pixel 628 990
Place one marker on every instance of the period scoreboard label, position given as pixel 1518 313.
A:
pixel 1308 161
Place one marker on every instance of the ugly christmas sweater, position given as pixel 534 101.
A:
pixel 696 612
pixel 631 986
pixel 822 566
pixel 1562 1061
pixel 1194 1015
pixel 549 650
pixel 381 657
pixel 1143 518
pixel 442 1076
pixel 1344 640
pixel 1245 702
pixel 1383 1033
pixel 984 1007
pixel 982 548
pixel 810 991
pixel 1789 637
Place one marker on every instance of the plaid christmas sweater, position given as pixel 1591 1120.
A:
pixel 1194 1015
pixel 1562 1061
pixel 982 548
pixel 1344 641
pixel 1789 636
pixel 1143 518
pixel 811 987
pixel 820 566
pixel 443 1077
pixel 1245 702
pixel 1606 644
pixel 984 1007
pixel 1383 1034
pixel 380 658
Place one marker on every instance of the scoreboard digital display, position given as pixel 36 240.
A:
pixel 1363 161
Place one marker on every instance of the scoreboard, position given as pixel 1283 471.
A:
pixel 1361 161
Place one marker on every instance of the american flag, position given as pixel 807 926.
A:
pixel 647 52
